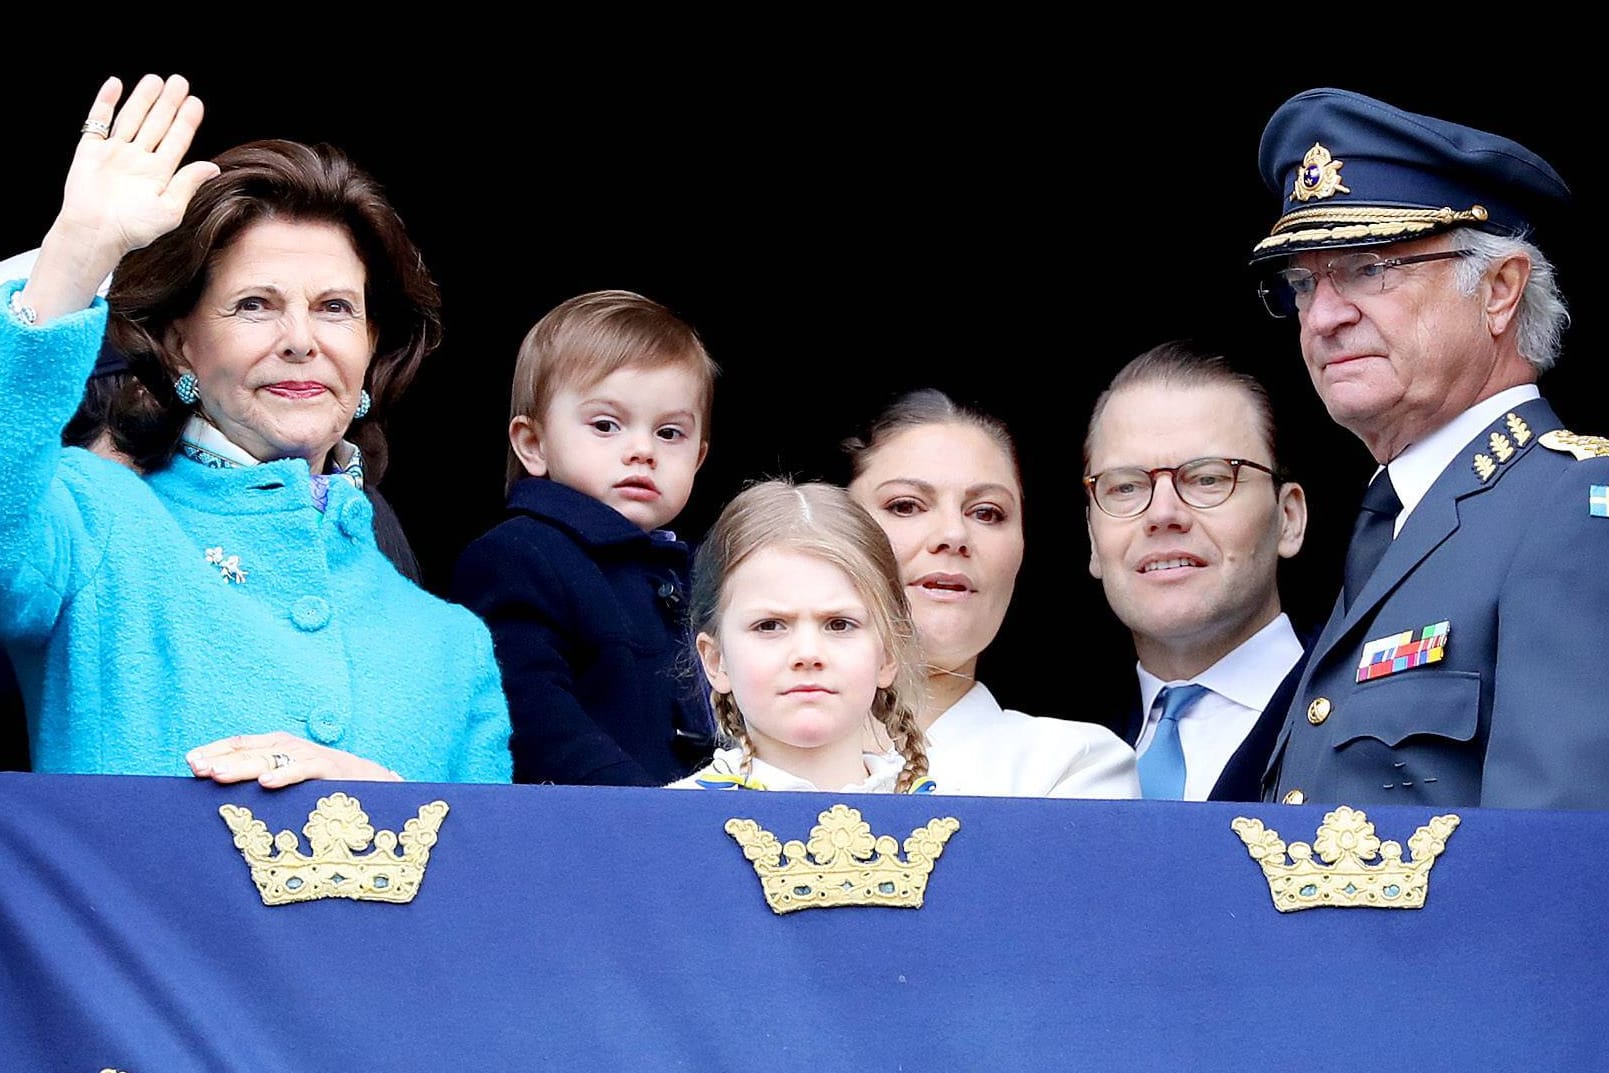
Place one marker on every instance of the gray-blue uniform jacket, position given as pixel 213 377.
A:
pixel 1512 710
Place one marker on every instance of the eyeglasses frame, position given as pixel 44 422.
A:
pixel 1265 293
pixel 1234 464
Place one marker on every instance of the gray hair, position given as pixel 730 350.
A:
pixel 1541 318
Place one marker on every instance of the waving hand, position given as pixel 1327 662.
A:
pixel 125 189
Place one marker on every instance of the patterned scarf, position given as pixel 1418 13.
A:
pixel 204 443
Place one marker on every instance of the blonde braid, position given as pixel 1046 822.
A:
pixel 747 770
pixel 729 721
pixel 900 721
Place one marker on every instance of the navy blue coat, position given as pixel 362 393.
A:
pixel 1242 777
pixel 1504 548
pixel 586 613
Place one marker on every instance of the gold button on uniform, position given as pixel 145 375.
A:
pixel 1294 797
pixel 1318 711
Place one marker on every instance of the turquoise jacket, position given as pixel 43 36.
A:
pixel 150 614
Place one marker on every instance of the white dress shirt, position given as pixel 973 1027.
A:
pixel 977 747
pixel 1240 686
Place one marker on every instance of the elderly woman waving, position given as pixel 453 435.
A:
pixel 224 611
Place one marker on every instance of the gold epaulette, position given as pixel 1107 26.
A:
pixel 1582 447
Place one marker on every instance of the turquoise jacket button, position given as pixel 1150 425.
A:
pixel 311 613
pixel 326 726
pixel 354 520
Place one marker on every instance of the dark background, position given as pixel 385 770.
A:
pixel 838 227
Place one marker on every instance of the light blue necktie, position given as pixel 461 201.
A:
pixel 1162 765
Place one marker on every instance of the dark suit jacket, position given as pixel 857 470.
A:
pixel 586 613
pixel 1242 776
pixel 13 724
pixel 1504 548
pixel 392 541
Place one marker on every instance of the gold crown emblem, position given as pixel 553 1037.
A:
pixel 338 831
pixel 1345 845
pixel 843 863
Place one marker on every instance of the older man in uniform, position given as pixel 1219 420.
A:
pixel 1463 663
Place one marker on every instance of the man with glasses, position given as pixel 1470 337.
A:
pixel 1463 663
pixel 1189 518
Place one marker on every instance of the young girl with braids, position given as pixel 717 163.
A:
pixel 805 636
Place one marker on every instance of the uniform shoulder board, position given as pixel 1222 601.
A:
pixel 1580 446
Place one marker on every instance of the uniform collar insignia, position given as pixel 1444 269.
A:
pixel 1502 443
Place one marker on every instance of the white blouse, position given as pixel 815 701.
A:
pixel 978 748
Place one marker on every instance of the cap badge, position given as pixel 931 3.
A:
pixel 1319 177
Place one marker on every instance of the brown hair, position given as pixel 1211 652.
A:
pixel 822 521
pixel 917 409
pixel 267 180
pixel 584 339
pixel 1180 364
